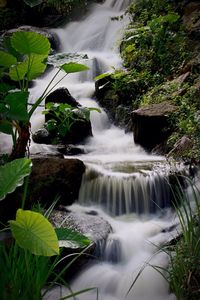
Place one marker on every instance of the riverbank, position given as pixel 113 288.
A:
pixel 160 51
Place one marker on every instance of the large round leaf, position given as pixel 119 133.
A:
pixel 35 233
pixel 73 67
pixel 36 66
pixel 27 42
pixel 7 60
pixel 30 68
pixel 12 175
pixel 17 72
pixel 17 104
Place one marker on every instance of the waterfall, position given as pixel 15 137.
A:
pixel 123 183
pixel 123 193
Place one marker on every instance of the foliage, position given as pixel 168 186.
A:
pixel 71 238
pixel 33 232
pixel 63 116
pixel 26 270
pixel 12 175
pixel 24 59
pixel 153 45
pixel 185 268
pixel 156 50
pixel 23 275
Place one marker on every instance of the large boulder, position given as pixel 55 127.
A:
pixel 52 37
pixel 91 225
pixel 51 177
pixel 61 95
pixel 151 124
pixel 86 222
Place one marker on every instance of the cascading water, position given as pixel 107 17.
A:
pixel 119 180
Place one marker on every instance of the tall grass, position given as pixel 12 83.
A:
pixel 184 272
pixel 25 276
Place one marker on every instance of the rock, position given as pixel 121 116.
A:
pixel 116 106
pixel 52 37
pixel 181 79
pixel 181 147
pixel 61 95
pixel 151 125
pixel 191 18
pixel 42 136
pixel 80 130
pixel 70 150
pixel 50 178
pixel 93 226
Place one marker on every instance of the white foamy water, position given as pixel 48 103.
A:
pixel 119 179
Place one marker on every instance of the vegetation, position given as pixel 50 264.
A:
pixel 161 63
pixel 26 269
pixel 24 59
pixel 184 270
pixel 62 117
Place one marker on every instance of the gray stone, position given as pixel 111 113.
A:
pixel 93 226
pixel 151 124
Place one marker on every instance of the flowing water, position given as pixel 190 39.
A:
pixel 124 184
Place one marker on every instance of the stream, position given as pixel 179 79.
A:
pixel 123 184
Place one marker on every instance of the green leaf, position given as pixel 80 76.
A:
pixel 7 60
pixel 36 67
pixel 32 67
pixel 12 175
pixel 73 67
pixel 71 239
pixel 4 87
pixel 35 233
pixel 27 42
pixel 18 71
pixel 17 102
pixel 101 76
pixel 33 3
pixel 6 127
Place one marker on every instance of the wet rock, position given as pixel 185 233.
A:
pixel 150 124
pixel 42 136
pixel 61 95
pixel 93 226
pixel 52 177
pixel 70 150
pixel 52 37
